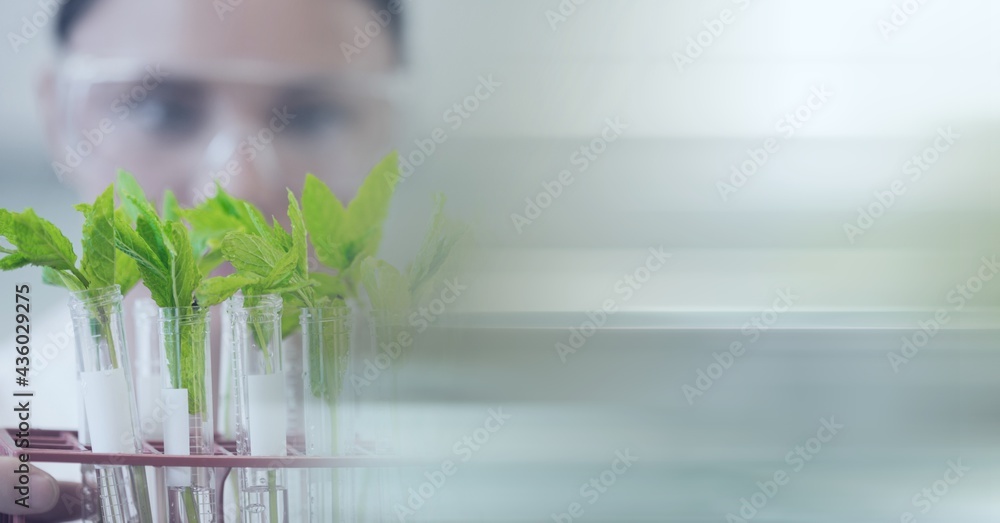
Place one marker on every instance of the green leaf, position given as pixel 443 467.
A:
pixel 370 206
pixel 332 256
pixel 249 214
pixel 323 215
pixel 288 291
pixel 184 274
pixel 289 321
pixel 126 272
pixel 155 273
pixel 140 211
pixel 37 242
pixel 387 288
pixel 299 240
pixel 250 254
pixel 171 208
pixel 211 221
pixel 133 199
pixel 327 286
pixel 220 215
pixel 43 243
pixel 14 260
pixel 6 222
pixel 210 260
pixel 341 237
pixel 437 249
pixel 281 272
pixel 258 223
pixel 98 262
pixel 282 239
pixel 213 291
pixel 209 225
pixel 151 230
pixel 62 279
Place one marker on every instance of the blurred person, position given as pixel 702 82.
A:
pixel 249 94
pixel 253 96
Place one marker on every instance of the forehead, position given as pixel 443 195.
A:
pixel 307 34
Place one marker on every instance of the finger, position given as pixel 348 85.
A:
pixel 68 508
pixel 21 494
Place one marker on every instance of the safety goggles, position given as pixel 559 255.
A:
pixel 197 124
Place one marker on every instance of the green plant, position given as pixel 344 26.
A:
pixel 396 292
pixel 343 237
pixel 215 218
pixel 165 256
pixel 39 243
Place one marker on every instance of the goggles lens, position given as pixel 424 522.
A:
pixel 188 126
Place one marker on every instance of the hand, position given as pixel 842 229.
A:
pixel 49 501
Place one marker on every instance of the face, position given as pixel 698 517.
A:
pixel 185 95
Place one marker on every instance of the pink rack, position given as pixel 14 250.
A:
pixel 54 446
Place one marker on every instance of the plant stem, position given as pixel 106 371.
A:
pixel 190 507
pixel 79 275
pixel 272 479
pixel 262 343
pixel 111 351
pixel 105 322
pixel 272 492
pixel 141 489
pixel 305 299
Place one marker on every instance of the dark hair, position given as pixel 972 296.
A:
pixel 69 15
pixel 73 10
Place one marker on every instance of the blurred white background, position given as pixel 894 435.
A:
pixel 892 91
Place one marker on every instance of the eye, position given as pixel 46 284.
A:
pixel 317 117
pixel 170 111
